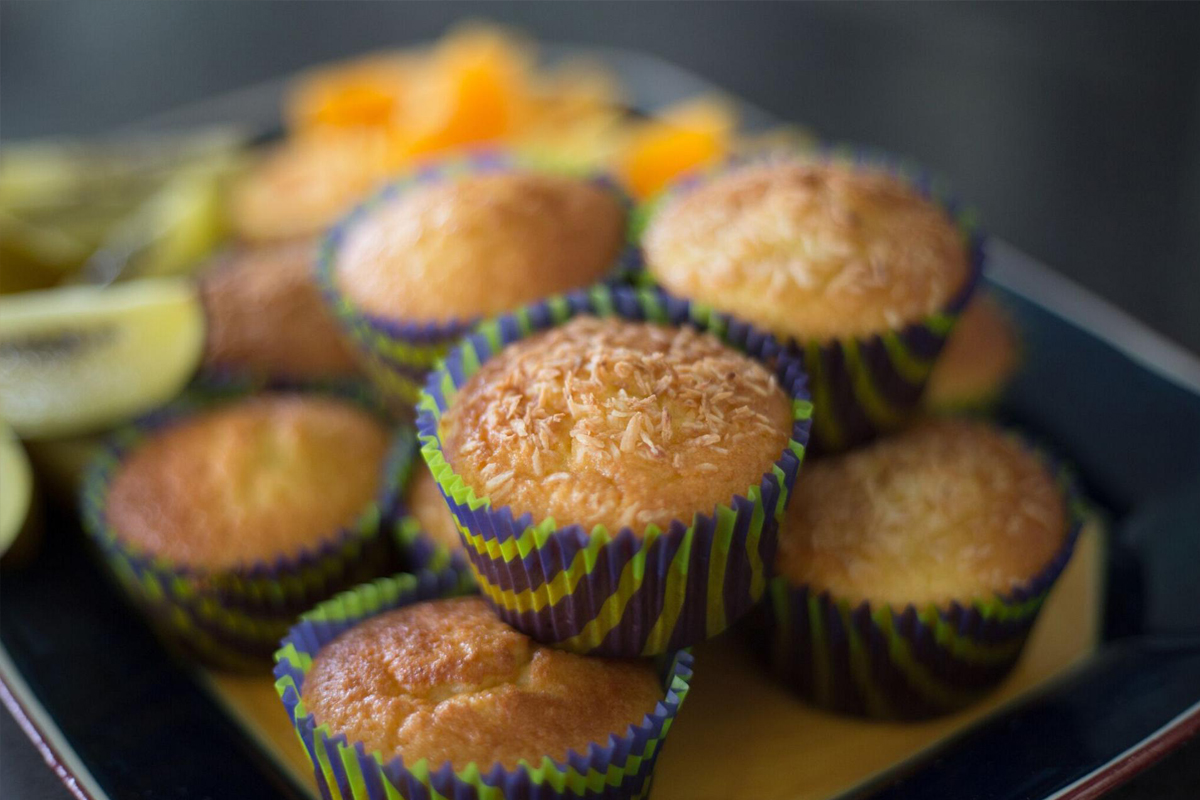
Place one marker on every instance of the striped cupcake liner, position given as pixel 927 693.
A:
pixel 618 594
pixel 618 768
pixel 397 354
pixel 236 617
pixel 419 550
pixel 908 663
pixel 864 386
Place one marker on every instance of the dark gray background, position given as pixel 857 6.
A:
pixel 1075 128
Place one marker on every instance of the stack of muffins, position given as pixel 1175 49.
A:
pixel 615 468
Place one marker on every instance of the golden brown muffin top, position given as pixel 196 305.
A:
pixel 948 510
pixel 250 481
pixel 425 502
pixel 265 314
pixel 810 250
pixel 301 188
pixel 446 680
pixel 980 356
pixel 616 423
pixel 479 245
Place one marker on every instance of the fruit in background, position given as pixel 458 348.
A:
pixel 36 256
pixel 170 233
pixel 475 89
pixel 978 361
pixel 367 92
pixel 689 136
pixel 16 488
pixel 137 207
pixel 79 359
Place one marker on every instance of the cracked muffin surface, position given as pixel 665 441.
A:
pixel 446 680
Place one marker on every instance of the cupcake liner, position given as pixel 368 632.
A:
pixel 397 354
pixel 864 386
pixel 906 663
pixel 235 617
pixel 620 767
pixel 618 594
pixel 418 550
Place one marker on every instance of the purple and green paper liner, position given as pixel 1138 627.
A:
pixel 398 353
pixel 863 386
pixel 909 663
pixel 619 594
pixel 235 618
pixel 620 767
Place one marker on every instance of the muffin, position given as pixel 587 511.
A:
pixel 617 466
pixel 266 317
pixel 227 516
pixel 426 694
pixel 911 571
pixel 427 532
pixel 301 187
pixel 978 362
pixel 412 269
pixel 859 268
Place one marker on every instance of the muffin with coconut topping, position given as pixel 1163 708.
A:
pixel 616 423
pixel 616 463
pixel 936 546
pixel 854 264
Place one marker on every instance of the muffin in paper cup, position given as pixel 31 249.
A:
pixel 979 361
pixel 622 593
pixel 868 356
pixel 619 767
pixel 419 546
pixel 399 346
pixel 234 617
pixel 891 660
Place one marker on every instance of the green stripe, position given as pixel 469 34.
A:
pixel 717 564
pixel 824 419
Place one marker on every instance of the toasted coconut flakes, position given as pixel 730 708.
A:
pixel 629 438
pixel 609 389
pixel 498 481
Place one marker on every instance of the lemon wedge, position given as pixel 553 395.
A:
pixel 81 358
pixel 16 487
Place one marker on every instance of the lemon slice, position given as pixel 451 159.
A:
pixel 78 359
pixel 16 487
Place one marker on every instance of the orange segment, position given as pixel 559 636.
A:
pixel 366 92
pixel 477 92
pixel 685 138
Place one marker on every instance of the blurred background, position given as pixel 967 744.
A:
pixel 1074 128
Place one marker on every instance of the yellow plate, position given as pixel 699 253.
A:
pixel 740 735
